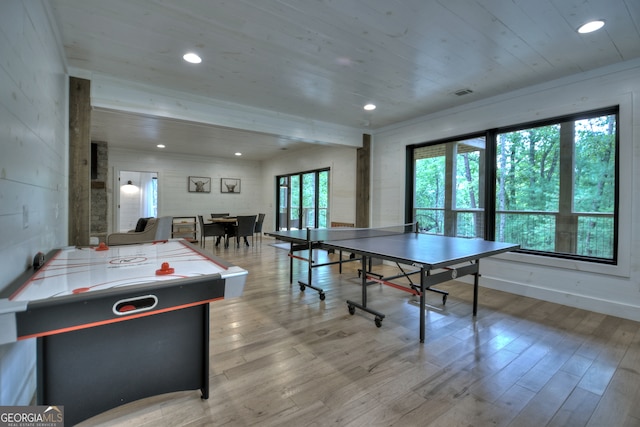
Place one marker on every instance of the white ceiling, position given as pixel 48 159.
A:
pixel 145 132
pixel 325 59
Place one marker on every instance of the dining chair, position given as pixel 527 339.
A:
pixel 214 229
pixel 229 228
pixel 246 226
pixel 258 228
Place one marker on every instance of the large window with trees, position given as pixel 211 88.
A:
pixel 449 187
pixel 549 186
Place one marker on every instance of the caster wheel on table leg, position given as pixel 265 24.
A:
pixel 352 310
pixel 302 287
pixel 378 321
pixel 322 297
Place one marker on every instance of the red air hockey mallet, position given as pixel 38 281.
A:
pixel 165 269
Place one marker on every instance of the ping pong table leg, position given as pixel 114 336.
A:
pixel 309 283
pixel 291 263
pixel 364 280
pixel 379 317
pixel 475 287
pixel 310 264
pixel 423 275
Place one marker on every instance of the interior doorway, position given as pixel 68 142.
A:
pixel 138 198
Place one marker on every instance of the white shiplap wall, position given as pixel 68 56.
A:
pixel 173 172
pixel 607 289
pixel 342 178
pixel 33 163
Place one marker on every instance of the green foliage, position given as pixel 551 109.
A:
pixel 429 183
pixel 467 180
pixel 595 165
pixel 527 172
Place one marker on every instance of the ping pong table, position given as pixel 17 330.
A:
pixel 436 258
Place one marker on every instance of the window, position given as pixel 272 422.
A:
pixel 303 200
pixel 556 187
pixel 449 187
pixel 550 187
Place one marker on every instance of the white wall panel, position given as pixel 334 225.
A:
pixel 33 163
pixel 174 171
pixel 342 162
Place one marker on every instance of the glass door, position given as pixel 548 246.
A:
pixel 283 203
pixel 294 203
pixel 309 200
pixel 303 200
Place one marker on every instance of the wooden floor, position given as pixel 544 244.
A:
pixel 281 357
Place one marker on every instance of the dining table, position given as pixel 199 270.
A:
pixel 225 219
pixel 230 223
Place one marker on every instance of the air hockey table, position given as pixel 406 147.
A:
pixel 117 324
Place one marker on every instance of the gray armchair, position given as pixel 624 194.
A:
pixel 155 230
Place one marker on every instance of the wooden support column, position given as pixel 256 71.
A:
pixel 363 183
pixel 79 161
pixel 566 221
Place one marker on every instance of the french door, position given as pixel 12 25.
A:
pixel 303 200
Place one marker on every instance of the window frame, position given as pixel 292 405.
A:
pixel 299 221
pixel 450 208
pixel 491 138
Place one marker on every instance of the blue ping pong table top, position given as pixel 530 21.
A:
pixel 428 250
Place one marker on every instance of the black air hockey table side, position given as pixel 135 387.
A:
pixel 456 257
pixel 110 342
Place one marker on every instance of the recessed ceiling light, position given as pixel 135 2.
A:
pixel 238 154
pixel 370 107
pixel 160 145
pixel 590 27
pixel 192 58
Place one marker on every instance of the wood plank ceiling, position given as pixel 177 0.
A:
pixel 325 59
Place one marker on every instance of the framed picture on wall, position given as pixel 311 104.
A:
pixel 199 184
pixel 230 185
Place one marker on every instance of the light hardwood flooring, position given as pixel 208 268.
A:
pixel 281 357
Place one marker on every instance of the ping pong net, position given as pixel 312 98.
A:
pixel 348 233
